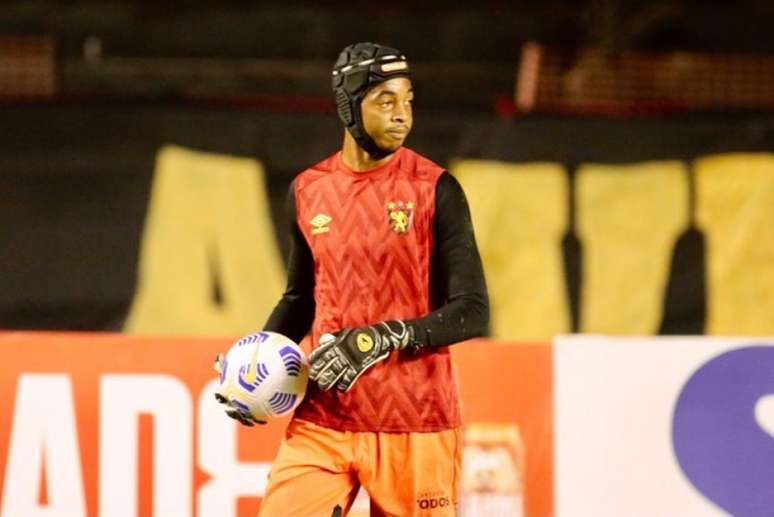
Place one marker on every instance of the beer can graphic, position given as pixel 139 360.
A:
pixel 493 467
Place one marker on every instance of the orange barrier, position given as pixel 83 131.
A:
pixel 513 383
pixel 110 424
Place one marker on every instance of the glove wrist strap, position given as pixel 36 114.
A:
pixel 399 334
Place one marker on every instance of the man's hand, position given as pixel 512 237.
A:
pixel 233 409
pixel 344 356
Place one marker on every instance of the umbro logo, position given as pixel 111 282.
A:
pixel 320 224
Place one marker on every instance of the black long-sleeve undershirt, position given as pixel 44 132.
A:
pixel 294 314
pixel 457 281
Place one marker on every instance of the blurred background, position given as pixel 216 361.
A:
pixel 618 157
pixel 543 109
pixel 91 92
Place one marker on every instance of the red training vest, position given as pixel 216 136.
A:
pixel 371 236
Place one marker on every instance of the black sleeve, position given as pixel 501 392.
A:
pixel 457 276
pixel 294 314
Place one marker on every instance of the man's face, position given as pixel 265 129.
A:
pixel 387 115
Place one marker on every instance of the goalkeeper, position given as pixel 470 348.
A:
pixel 385 272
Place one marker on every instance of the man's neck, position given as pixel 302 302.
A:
pixel 357 158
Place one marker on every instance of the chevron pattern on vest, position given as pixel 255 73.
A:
pixel 366 271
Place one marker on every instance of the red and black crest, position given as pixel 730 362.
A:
pixel 399 216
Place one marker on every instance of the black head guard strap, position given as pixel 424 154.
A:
pixel 361 66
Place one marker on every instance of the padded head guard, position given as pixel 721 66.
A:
pixel 361 66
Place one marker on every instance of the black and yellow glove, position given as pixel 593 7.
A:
pixel 343 357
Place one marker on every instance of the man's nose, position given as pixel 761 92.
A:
pixel 399 113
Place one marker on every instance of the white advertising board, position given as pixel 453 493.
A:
pixel 664 426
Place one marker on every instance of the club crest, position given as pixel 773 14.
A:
pixel 399 216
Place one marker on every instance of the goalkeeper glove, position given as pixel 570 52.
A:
pixel 239 414
pixel 344 356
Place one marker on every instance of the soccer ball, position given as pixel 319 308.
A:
pixel 264 374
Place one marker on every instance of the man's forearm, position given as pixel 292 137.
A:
pixel 461 319
pixel 292 317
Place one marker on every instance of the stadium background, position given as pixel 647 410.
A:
pixel 617 156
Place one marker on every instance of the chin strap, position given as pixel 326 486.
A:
pixel 367 143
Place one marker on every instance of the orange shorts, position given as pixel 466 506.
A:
pixel 318 469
